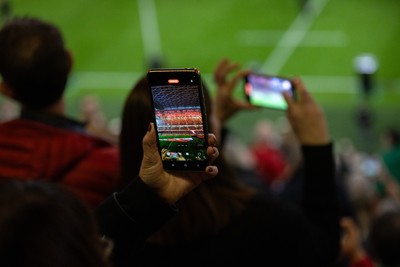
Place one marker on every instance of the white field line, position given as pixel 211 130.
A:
pixel 254 38
pixel 291 39
pixel 126 80
pixel 149 27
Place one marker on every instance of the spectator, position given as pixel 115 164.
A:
pixel 43 143
pixel 388 183
pixel 391 155
pixel 366 66
pixel 8 110
pixel 91 112
pixel 383 241
pixel 125 220
pixel 384 238
pixel 225 222
pixel 266 148
pixel 352 246
pixel 43 224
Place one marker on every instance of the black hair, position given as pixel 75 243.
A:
pixel 33 61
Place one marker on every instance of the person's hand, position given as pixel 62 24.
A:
pixel 225 104
pixel 171 186
pixel 351 242
pixel 306 117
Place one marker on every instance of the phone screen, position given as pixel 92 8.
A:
pixel 266 91
pixel 180 118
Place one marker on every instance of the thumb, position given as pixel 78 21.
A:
pixel 149 141
pixel 151 167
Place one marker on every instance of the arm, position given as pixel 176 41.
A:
pixel 225 105
pixel 130 216
pixel 320 198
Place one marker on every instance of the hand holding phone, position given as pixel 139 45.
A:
pixel 180 118
pixel 266 90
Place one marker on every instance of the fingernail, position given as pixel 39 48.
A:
pixel 149 128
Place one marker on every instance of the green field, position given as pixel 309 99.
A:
pixel 113 41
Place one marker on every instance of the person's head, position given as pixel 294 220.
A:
pixel 384 238
pixel 42 224
pixel 391 137
pixel 34 63
pixel 214 201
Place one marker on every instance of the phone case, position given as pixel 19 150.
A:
pixel 266 91
pixel 180 118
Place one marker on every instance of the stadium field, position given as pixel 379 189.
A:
pixel 114 43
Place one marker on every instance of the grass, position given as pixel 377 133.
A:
pixel 111 51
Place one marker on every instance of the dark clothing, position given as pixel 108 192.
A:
pixel 53 120
pixel 49 147
pixel 129 217
pixel 270 231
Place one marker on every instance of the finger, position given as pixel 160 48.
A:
pixel 225 66
pixel 151 156
pixel 212 153
pixel 303 94
pixel 212 139
pixel 288 98
pixel 238 76
pixel 245 105
pixel 230 67
pixel 212 171
pixel 219 72
pixel 149 140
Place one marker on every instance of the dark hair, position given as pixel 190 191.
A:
pixel 136 117
pixel 394 136
pixel 384 238
pixel 42 224
pixel 33 61
pixel 210 206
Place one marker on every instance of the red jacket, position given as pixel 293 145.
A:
pixel 31 150
pixel 270 162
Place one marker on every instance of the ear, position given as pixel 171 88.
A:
pixel 6 90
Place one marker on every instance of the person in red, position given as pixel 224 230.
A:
pixel 271 161
pixel 43 143
pixel 352 248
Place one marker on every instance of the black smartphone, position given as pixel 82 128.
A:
pixel 180 117
pixel 266 90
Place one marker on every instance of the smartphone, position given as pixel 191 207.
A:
pixel 266 90
pixel 180 117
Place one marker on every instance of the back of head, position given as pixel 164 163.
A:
pixel 33 61
pixel 41 224
pixel 393 136
pixel 385 238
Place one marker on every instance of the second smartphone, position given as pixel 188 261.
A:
pixel 266 90
pixel 180 117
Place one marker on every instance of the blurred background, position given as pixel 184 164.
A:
pixel 346 51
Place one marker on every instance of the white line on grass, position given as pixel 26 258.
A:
pixel 291 39
pixel 102 80
pixel 149 27
pixel 312 39
pixel 126 80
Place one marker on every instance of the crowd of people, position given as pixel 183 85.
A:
pixel 71 195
